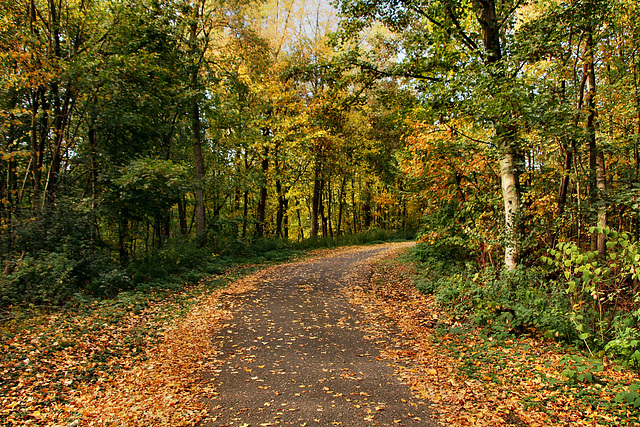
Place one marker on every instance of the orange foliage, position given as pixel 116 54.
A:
pixel 448 165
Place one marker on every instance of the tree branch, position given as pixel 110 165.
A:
pixel 452 129
pixel 385 73
pixel 460 34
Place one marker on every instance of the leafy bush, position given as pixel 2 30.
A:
pixel 44 280
pixel 603 293
pixel 626 340
pixel 504 302
pixel 149 186
pixel 174 259
pixel 519 301
pixel 55 253
pixel 109 282
pixel 62 258
pixel 582 299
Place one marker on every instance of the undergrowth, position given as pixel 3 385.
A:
pixel 482 332
pixel 574 300
pixel 573 297
pixel 47 354
pixel 58 275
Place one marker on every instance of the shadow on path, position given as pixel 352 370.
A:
pixel 293 354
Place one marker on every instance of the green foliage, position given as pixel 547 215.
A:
pixel 630 397
pixel 367 237
pixel 519 301
pixel 65 227
pixel 181 262
pixel 150 186
pixel 109 282
pixel 443 246
pixel 443 265
pixel 626 339
pixel 584 300
pixel 54 255
pixel 502 302
pixel 580 369
pixel 48 280
pixel 600 291
pixel 176 263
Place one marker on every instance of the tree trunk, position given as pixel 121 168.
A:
pixel 597 184
pixel 262 201
pixel 182 214
pixel 565 181
pixel 316 202
pixel 285 206
pixel 196 132
pixel 280 212
pixel 245 213
pixel 282 226
pixel 341 205
pixel 10 184
pixel 5 190
pixel 62 106
pixel 300 227
pixel 486 15
pixel 36 154
pixel 199 172
pixel 511 195
pixel 123 240
pixel 602 207
pixel 366 205
pixel 509 168
pixel 93 172
pixel 329 203
pixel 354 211
pixel 62 110
pixel 569 150
pixel 321 211
pixel 5 198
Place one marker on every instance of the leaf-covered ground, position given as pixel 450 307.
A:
pixel 476 380
pixel 136 360
pixel 129 361
pixel 139 360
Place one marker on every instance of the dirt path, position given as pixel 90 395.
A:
pixel 293 354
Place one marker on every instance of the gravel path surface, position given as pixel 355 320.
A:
pixel 293 354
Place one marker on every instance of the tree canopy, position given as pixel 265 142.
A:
pixel 496 130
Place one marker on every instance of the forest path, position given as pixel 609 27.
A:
pixel 294 354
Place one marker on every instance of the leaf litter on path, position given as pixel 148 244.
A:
pixel 128 362
pixel 293 355
pixel 152 381
pixel 56 372
pixel 473 379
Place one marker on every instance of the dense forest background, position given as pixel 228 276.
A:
pixel 130 126
pixel 140 137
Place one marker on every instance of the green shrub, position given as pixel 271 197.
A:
pixel 519 301
pixel 625 337
pixel 110 282
pixel 48 280
pixel 582 299
pixel 602 308
pixel 503 302
pixel 60 254
pixel 174 259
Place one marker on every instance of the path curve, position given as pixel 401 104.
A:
pixel 293 354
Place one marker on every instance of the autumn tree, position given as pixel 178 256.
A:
pixel 463 51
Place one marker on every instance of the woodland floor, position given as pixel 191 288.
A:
pixel 339 338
